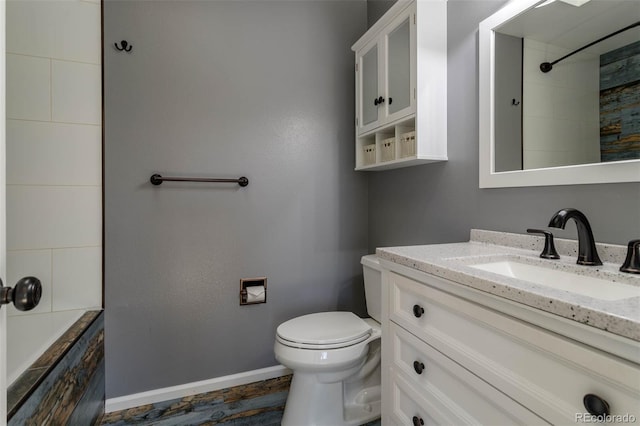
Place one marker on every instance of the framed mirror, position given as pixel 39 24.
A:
pixel 560 93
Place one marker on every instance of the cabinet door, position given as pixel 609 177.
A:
pixel 400 66
pixel 367 80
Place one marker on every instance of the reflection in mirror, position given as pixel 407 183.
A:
pixel 399 68
pixel 508 108
pixel 370 85
pixel 586 109
pixel 577 123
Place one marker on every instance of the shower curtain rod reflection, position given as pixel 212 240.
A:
pixel 157 179
pixel 548 66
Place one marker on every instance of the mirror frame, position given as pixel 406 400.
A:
pixel 611 172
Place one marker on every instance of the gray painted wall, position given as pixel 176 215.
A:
pixel 440 202
pixel 265 89
pixel 226 88
pixel 377 8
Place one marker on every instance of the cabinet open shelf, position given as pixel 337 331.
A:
pixel 391 147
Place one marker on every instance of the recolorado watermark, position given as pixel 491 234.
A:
pixel 605 418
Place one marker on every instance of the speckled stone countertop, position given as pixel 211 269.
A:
pixel 451 261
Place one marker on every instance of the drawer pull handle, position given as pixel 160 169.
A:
pixel 418 311
pixel 417 421
pixel 418 366
pixel 596 405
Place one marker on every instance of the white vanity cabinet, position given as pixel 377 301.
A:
pixel 401 82
pixel 450 359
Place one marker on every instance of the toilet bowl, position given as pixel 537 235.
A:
pixel 335 359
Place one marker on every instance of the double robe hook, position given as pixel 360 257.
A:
pixel 125 46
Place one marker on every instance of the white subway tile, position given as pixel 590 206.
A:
pixel 76 92
pixel 29 335
pixel 537 134
pixel 539 102
pixel 53 216
pixel 28 88
pixel 541 159
pixel 68 30
pixel 68 154
pixel 34 263
pixel 531 67
pixel 77 278
pixel 584 69
pixel 80 32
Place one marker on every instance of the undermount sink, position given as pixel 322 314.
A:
pixel 596 288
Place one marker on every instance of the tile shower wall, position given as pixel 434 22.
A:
pixel 566 109
pixel 54 153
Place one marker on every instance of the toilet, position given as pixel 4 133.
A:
pixel 335 359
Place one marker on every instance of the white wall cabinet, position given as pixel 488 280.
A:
pixel 385 73
pixel 448 359
pixel 401 82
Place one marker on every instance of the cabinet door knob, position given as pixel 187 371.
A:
pixel 418 311
pixel 417 421
pixel 418 366
pixel 379 101
pixel 595 405
pixel 390 101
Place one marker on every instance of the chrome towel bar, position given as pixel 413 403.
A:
pixel 157 179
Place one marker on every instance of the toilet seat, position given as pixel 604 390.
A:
pixel 323 330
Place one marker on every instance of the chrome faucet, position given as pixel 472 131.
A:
pixel 587 253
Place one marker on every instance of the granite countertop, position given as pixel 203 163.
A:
pixel 451 261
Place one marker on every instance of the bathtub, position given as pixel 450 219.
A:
pixel 44 351
pixel 30 336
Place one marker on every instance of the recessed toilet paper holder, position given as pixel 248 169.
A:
pixel 253 290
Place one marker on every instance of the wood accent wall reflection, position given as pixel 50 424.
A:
pixel 619 104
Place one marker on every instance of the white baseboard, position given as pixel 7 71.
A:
pixel 180 391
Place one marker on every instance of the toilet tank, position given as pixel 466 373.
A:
pixel 372 285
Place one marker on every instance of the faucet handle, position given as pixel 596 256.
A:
pixel 549 251
pixel 632 262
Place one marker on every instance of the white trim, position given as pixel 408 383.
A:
pixel 194 388
pixel 3 216
pixel 384 20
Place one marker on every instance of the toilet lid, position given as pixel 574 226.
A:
pixel 324 329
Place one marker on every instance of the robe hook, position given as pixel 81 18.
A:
pixel 125 46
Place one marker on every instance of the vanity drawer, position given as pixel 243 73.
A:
pixel 408 404
pixel 455 395
pixel 543 371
